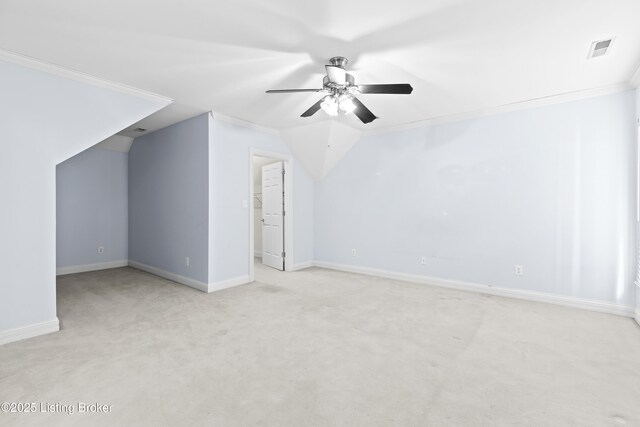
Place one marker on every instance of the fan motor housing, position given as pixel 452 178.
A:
pixel 349 81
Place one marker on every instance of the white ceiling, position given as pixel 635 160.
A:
pixel 459 55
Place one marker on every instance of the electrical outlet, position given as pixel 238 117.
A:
pixel 423 260
pixel 245 203
pixel 354 252
pixel 186 261
pixel 100 249
pixel 519 270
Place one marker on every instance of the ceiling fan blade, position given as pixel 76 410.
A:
pixel 362 112
pixel 293 90
pixel 396 89
pixel 312 110
pixel 336 75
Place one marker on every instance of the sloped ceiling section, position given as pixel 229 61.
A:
pixel 116 143
pixel 320 146
pixel 81 110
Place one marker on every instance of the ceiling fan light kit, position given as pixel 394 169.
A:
pixel 340 88
pixel 333 105
pixel 330 105
pixel 346 104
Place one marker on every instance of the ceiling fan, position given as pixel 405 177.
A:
pixel 340 89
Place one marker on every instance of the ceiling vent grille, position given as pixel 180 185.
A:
pixel 600 48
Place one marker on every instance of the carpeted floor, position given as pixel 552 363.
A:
pixel 320 348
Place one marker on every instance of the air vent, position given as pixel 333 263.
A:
pixel 600 48
pixel 139 130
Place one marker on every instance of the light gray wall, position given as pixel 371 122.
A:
pixel 91 208
pixel 549 188
pixel 45 120
pixel 230 153
pixel 169 199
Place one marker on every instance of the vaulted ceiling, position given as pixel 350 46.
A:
pixel 459 55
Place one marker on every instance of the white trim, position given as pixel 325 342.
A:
pixel 637 315
pixel 568 301
pixel 73 269
pixel 201 286
pixel 288 206
pixel 257 254
pixel 68 73
pixel 302 265
pixel 30 331
pixel 196 284
pixel 507 108
pixel 244 123
pixel 229 283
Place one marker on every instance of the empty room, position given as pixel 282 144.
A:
pixel 285 213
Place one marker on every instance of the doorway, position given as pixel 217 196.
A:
pixel 271 213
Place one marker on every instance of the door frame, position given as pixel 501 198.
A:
pixel 287 162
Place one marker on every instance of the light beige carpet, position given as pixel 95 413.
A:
pixel 320 348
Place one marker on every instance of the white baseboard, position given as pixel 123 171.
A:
pixel 201 286
pixel 91 267
pixel 228 283
pixel 568 301
pixel 30 331
pixel 196 284
pixel 303 265
pixel 575 302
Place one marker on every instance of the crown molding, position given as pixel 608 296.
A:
pixel 79 76
pixel 507 108
pixel 244 123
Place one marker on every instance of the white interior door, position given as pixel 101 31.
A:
pixel 272 216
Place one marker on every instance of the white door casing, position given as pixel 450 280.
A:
pixel 273 215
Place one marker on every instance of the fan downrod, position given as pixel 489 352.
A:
pixel 339 61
